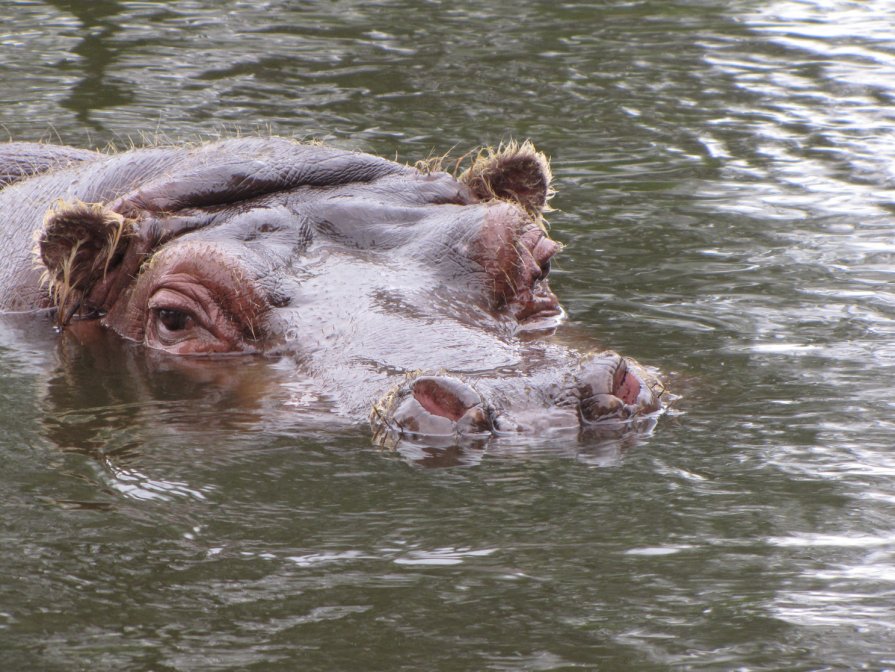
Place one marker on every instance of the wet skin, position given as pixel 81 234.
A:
pixel 410 296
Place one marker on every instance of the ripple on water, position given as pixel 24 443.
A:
pixel 729 217
pixel 852 583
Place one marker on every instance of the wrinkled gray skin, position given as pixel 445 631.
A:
pixel 413 298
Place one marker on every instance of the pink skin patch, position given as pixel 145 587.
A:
pixel 628 388
pixel 444 397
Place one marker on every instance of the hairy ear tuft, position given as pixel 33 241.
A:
pixel 77 245
pixel 512 172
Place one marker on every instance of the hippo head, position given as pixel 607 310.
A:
pixel 403 289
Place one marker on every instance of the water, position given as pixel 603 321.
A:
pixel 725 195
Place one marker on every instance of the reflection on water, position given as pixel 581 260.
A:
pixel 93 58
pixel 726 190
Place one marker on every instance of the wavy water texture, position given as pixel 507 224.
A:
pixel 725 176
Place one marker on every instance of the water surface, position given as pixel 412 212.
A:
pixel 725 196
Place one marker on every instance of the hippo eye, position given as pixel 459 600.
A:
pixel 174 320
pixel 184 318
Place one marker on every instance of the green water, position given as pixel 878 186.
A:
pixel 725 177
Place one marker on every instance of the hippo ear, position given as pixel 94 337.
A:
pixel 512 172
pixel 77 245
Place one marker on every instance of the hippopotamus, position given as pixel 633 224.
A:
pixel 415 298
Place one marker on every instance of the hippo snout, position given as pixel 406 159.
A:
pixel 607 391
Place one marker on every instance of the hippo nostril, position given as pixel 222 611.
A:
pixel 445 396
pixel 604 406
pixel 477 420
pixel 545 269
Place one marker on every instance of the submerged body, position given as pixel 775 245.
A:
pixel 408 295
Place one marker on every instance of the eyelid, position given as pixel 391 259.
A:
pixel 172 299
